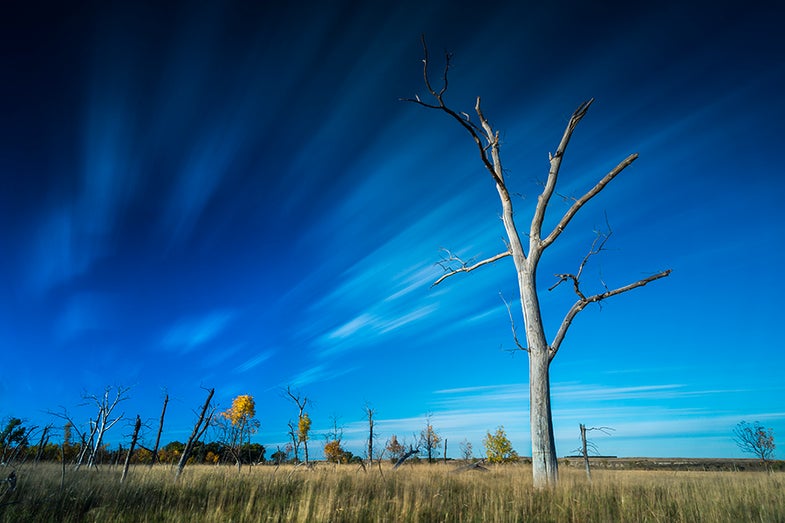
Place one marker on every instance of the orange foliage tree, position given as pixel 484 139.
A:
pixel 334 453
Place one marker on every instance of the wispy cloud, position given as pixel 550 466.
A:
pixel 316 374
pixel 351 327
pixel 255 361
pixel 367 326
pixel 190 333
pixel 582 392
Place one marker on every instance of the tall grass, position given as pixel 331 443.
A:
pixel 414 493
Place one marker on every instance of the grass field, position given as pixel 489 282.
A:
pixel 411 493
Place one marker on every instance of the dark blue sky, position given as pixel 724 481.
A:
pixel 231 195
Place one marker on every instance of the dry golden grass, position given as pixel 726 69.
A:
pixel 412 493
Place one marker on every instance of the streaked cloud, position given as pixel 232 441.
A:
pixel 190 333
pixel 254 361
pixel 317 374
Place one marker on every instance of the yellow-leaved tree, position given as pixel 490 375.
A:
pixel 498 448
pixel 303 428
pixel 236 425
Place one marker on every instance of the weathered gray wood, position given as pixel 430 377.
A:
pixel 137 426
pixel 477 465
pixel 154 457
pixel 199 428
pixel 408 454
pixel 486 138
pixel 585 452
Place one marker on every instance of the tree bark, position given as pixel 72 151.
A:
pixel 585 451
pixel 369 411
pixel 199 428
pixel 154 457
pixel 137 426
pixel 545 465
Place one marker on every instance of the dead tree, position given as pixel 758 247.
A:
pixel 476 465
pixel 42 443
pixel 526 260
pixel 585 451
pixel 92 439
pixel 134 437
pixel 586 445
pixel 406 455
pixel 303 421
pixel 294 436
pixel 154 452
pixel 199 428
pixel 369 412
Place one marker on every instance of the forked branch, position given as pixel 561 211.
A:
pixel 479 133
pixel 576 206
pixel 581 304
pixel 553 172
pixel 447 263
pixel 597 246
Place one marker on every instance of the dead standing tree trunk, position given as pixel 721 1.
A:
pixel 586 445
pixel 137 426
pixel 199 428
pixel 541 353
pixel 303 422
pixel 154 457
pixel 369 412
pixel 91 443
pixel 585 452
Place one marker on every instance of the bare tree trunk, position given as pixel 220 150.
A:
pixel 370 412
pixel 42 443
pixel 299 436
pixel 199 428
pixel 154 457
pixel 486 138
pixel 445 450
pixel 545 467
pixel 295 441
pixel 87 444
pixel 408 454
pixel 137 426
pixel 585 451
pixel 102 421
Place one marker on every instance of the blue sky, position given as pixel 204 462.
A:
pixel 231 195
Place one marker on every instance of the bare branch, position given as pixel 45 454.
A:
pixel 582 303
pixel 553 173
pixel 462 118
pixel 597 246
pixel 199 428
pixel 605 430
pixel 493 142
pixel 512 326
pixel 568 216
pixel 464 265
